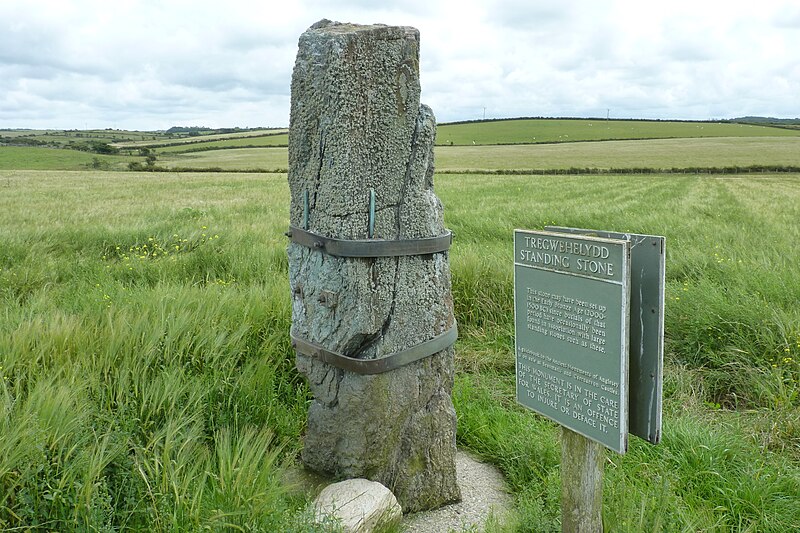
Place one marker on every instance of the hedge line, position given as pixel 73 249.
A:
pixel 752 169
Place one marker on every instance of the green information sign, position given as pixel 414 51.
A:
pixel 571 306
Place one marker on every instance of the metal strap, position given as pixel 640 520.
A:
pixel 377 366
pixel 370 247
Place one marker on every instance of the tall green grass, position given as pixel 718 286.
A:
pixel 730 456
pixel 147 382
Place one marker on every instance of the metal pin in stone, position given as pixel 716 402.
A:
pixel 305 209
pixel 371 213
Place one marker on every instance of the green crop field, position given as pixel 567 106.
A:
pixel 554 130
pixel 186 143
pixel 641 145
pixel 35 158
pixel 61 138
pixel 124 143
pixel 147 381
pixel 267 158
pixel 717 152
pixel 22 133
pixel 271 140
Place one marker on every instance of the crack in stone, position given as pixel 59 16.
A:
pixel 373 339
pixel 407 179
pixel 312 201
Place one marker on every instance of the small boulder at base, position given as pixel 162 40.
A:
pixel 359 505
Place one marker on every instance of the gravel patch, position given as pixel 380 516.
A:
pixel 483 492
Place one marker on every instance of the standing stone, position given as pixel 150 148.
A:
pixel 357 126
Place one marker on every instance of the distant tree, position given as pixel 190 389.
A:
pixel 98 163
pixel 101 147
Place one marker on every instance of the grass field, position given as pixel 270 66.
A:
pixel 22 133
pixel 555 130
pixel 645 154
pixel 211 137
pixel 648 154
pixel 273 139
pixel 520 145
pixel 35 158
pixel 64 137
pixel 147 381
pixel 231 159
pixel 130 143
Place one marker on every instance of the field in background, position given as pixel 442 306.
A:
pixel 147 380
pixel 656 154
pixel 273 159
pixel 653 154
pixel 538 144
pixel 669 154
pixel 519 131
pixel 165 140
pixel 38 158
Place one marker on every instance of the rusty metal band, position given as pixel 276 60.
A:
pixel 370 247
pixel 377 366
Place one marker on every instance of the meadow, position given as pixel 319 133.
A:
pixel 270 139
pixel 205 138
pixel 506 146
pixel 147 381
pixel 736 154
pixel 527 131
pixel 39 158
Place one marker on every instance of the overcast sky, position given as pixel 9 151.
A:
pixel 150 65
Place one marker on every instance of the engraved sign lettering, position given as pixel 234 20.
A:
pixel 571 308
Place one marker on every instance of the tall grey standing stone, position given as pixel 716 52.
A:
pixel 357 125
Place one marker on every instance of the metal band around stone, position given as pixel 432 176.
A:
pixel 377 366
pixel 370 247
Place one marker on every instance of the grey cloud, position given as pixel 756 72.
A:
pixel 529 15
pixel 787 17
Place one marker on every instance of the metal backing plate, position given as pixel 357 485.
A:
pixel 648 266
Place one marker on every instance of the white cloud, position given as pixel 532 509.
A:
pixel 153 64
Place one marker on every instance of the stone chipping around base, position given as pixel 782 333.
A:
pixel 483 495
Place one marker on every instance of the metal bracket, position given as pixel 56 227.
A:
pixel 377 366
pixel 370 247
